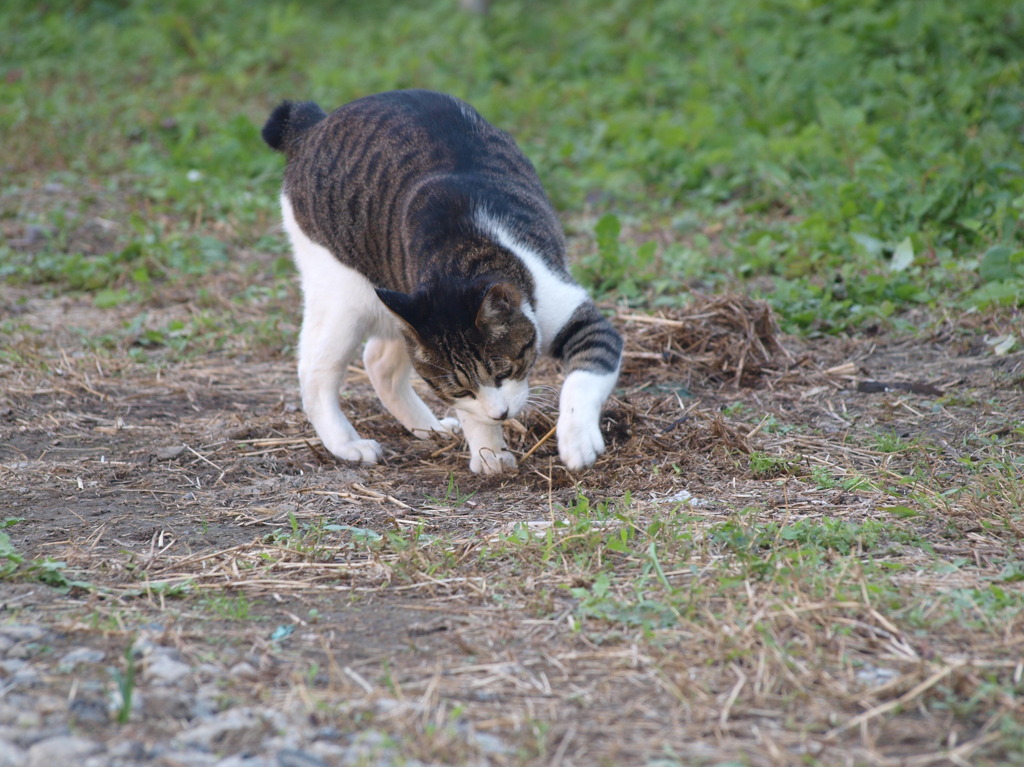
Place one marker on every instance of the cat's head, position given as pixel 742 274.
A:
pixel 472 342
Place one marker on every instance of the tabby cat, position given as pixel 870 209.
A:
pixel 419 226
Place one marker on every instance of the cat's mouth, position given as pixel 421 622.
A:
pixel 496 404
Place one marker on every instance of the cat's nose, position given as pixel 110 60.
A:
pixel 494 415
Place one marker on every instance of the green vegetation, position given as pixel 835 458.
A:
pixel 232 608
pixel 858 158
pixel 125 681
pixel 14 565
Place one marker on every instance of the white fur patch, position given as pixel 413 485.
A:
pixel 555 299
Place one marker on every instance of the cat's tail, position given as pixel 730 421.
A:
pixel 289 121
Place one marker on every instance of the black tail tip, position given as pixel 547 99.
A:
pixel 288 121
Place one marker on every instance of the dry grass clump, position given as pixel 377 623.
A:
pixel 721 338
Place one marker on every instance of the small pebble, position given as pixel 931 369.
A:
pixel 233 730
pixel 62 749
pixel 188 759
pixel 20 632
pixel 87 711
pixel 330 753
pixel 245 761
pixel 127 749
pixel 166 703
pixel 168 453
pixel 78 655
pixel 244 671
pixel 291 757
pixel 11 755
pixel 22 651
pixel 164 669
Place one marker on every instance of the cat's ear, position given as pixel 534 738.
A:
pixel 403 306
pixel 499 305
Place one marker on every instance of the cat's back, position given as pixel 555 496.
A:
pixel 407 133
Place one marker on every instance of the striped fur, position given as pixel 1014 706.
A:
pixel 420 226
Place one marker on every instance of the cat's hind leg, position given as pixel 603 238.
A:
pixel 390 370
pixel 338 310
pixel 329 340
pixel 324 356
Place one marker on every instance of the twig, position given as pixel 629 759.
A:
pixel 355 677
pixel 563 745
pixel 540 442
pixel 202 457
pixel 734 693
pixel 758 428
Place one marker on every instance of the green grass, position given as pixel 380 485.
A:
pixel 125 681
pixel 857 159
pixel 233 608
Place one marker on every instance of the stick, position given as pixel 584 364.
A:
pixel 540 442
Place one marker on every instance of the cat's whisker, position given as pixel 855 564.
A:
pixel 542 397
pixel 546 391
pixel 540 405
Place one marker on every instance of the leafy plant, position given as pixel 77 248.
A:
pixel 10 558
pixel 42 570
pixel 616 267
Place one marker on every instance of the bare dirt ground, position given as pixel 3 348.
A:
pixel 200 523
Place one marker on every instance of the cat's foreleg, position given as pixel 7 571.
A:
pixel 579 417
pixel 591 351
pixel 487 451
pixel 388 365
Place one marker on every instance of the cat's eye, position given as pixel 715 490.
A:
pixel 461 393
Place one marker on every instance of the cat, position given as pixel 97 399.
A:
pixel 419 226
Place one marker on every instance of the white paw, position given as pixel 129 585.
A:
pixel 450 426
pixel 446 428
pixel 360 450
pixel 487 461
pixel 579 444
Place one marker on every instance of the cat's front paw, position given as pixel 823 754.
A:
pixel 446 429
pixel 450 427
pixel 487 461
pixel 579 443
pixel 359 450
